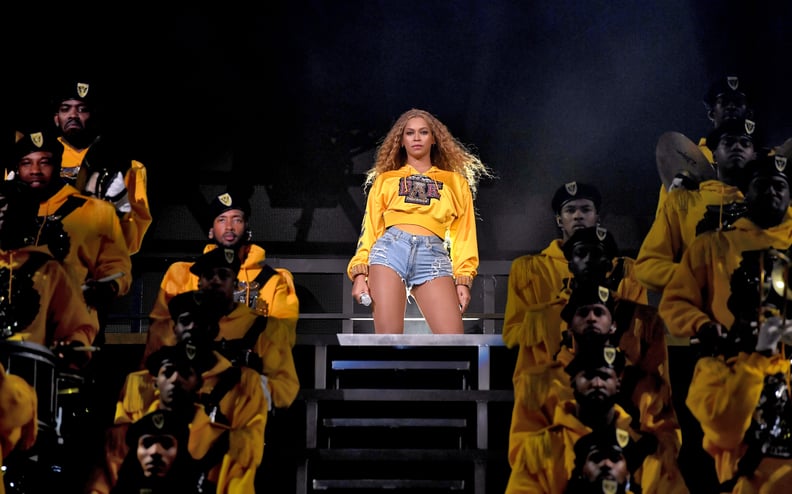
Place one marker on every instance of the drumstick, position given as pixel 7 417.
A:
pixel 107 278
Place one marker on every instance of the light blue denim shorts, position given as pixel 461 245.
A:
pixel 416 258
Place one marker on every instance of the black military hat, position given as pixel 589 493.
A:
pixel 82 89
pixel 742 128
pixel 728 85
pixel 766 166
pixel 189 301
pixel 226 202
pixel 605 439
pixel 575 190
pixel 587 294
pixel 186 354
pixel 589 357
pixel 221 257
pixel 159 423
pixel 33 139
pixel 591 235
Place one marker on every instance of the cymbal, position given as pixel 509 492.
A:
pixel 676 155
pixel 784 149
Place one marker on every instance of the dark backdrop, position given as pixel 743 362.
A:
pixel 285 101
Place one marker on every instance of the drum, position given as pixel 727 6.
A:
pixel 35 364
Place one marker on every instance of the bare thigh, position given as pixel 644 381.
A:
pixel 439 305
pixel 389 299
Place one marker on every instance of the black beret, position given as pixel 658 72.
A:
pixel 728 85
pixel 587 294
pixel 221 257
pixel 186 354
pixel 226 202
pixel 592 235
pixel 608 438
pixel 743 128
pixel 159 422
pixel 79 89
pixel 575 190
pixel 184 302
pixel 37 139
pixel 765 166
pixel 595 357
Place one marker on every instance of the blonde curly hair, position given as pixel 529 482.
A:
pixel 448 153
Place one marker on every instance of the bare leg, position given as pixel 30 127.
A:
pixel 439 305
pixel 389 299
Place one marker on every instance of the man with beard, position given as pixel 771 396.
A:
pixel 245 336
pixel 270 291
pixel 97 164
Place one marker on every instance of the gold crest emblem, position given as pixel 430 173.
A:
pixel 780 163
pixel 733 82
pixel 571 188
pixel 622 437
pixel 601 233
pixel 82 89
pixel 750 126
pixel 191 351
pixel 229 255
pixel 225 199
pixel 603 293
pixel 609 354
pixel 158 420
pixel 609 486
pixel 37 138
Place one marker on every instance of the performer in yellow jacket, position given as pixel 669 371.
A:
pixel 541 278
pixel 268 290
pixel 82 232
pixel 733 144
pixel 100 165
pixel 419 228
pixel 696 297
pixel 741 394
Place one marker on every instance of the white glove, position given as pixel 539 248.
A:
pixel 112 189
pixel 770 333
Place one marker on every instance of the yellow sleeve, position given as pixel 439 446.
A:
pixel 66 310
pixel 113 254
pixel 373 227
pixel 136 222
pixel 630 288
pixel 279 368
pixel 18 413
pixel 711 397
pixel 528 285
pixel 681 305
pixel 661 248
pixel 464 241
pixel 246 440
pixel 284 305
